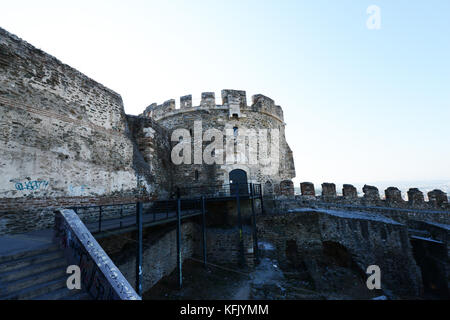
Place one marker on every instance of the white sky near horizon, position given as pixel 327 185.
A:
pixel 360 105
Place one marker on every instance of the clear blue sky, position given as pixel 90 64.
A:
pixel 360 105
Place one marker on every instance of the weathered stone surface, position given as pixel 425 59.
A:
pixel 159 252
pixel 415 197
pixel 438 198
pixel 185 102
pixel 63 134
pixel 307 189
pixel 349 191
pixel 262 115
pixel 371 193
pixel 287 188
pixel 222 246
pixel 208 100
pixel 393 196
pixel 328 190
pixel 365 239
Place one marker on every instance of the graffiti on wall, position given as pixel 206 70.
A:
pixel 77 190
pixel 31 185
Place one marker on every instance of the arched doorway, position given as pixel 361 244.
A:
pixel 238 181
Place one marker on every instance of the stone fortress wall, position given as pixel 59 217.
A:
pixel 437 199
pixel 63 134
pixel 233 113
pixel 65 140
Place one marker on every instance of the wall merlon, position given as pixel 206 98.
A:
pixel 328 190
pixel 186 101
pixel 208 100
pixel 349 191
pixel 169 104
pixel 307 189
pixel 415 196
pixel 262 103
pixel 238 97
pixel 438 197
pixel 393 195
pixel 371 193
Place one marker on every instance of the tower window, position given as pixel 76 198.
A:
pixel 196 175
pixel 235 131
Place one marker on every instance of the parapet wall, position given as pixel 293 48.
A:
pixel 309 237
pixel 437 199
pixel 233 100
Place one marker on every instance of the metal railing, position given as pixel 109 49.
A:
pixel 222 190
pixel 111 217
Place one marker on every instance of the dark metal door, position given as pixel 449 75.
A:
pixel 238 182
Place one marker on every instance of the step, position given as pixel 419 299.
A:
pixel 24 254
pixel 31 260
pixel 80 296
pixel 32 269
pixel 32 280
pixel 420 233
pixel 64 294
pixel 37 290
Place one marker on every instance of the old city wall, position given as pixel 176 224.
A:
pixel 152 160
pixel 159 256
pixel 393 205
pixel 64 139
pixel 222 246
pixel 361 239
pixel 160 250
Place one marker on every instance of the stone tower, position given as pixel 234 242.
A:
pixel 240 133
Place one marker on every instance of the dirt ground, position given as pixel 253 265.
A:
pixel 266 281
pixel 200 283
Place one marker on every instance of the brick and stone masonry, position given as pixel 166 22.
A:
pixel 349 191
pixel 328 190
pixel 307 189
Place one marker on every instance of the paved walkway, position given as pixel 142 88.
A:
pixel 17 243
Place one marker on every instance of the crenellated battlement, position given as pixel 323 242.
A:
pixel 235 101
pixel 437 199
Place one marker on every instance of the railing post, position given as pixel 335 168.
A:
pixel 100 220
pixel 204 230
pixel 262 201
pixel 179 261
pixel 121 214
pixel 255 231
pixel 241 236
pixel 167 209
pixel 139 249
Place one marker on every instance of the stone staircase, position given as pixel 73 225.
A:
pixel 39 274
pixel 419 233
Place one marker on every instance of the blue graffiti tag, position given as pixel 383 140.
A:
pixel 31 185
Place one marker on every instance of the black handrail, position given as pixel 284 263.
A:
pixel 123 214
pixel 222 190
